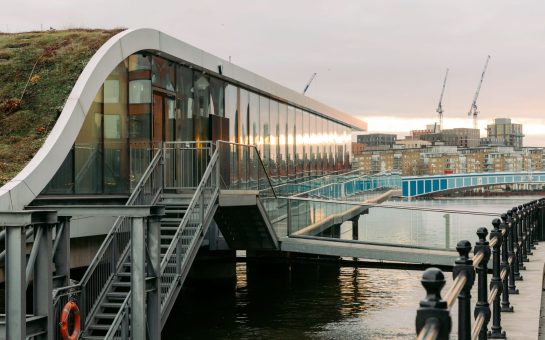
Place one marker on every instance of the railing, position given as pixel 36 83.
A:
pixel 113 250
pixel 120 328
pixel 192 224
pixel 185 163
pixel 241 168
pixel 511 241
pixel 352 188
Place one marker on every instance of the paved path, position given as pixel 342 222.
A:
pixel 524 323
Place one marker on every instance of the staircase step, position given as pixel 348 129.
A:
pixel 121 284
pixel 99 327
pixel 111 304
pixel 109 316
pixel 116 295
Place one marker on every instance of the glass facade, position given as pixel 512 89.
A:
pixel 147 100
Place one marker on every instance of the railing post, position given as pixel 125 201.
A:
pixel 520 243
pixel 464 266
pixel 15 282
pixel 527 228
pixel 138 279
pixel 512 216
pixel 535 224
pixel 522 222
pixel 496 283
pixel 505 304
pixel 289 217
pixel 434 309
pixel 482 305
pixel 531 224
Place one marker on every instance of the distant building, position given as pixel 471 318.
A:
pixel 412 143
pixel 505 132
pixel 357 148
pixel 461 137
pixel 375 139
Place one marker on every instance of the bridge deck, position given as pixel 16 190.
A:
pixel 347 248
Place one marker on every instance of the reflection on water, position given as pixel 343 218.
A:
pixel 308 301
pixel 302 302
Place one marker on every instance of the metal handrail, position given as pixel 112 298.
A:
pixel 87 306
pixel 430 331
pixel 258 157
pixel 457 286
pixel 109 236
pixel 191 206
pixel 479 321
pixel 118 320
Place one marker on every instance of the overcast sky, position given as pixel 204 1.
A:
pixel 382 61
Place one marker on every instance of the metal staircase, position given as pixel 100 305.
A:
pixel 104 293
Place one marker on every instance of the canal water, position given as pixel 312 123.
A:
pixel 309 301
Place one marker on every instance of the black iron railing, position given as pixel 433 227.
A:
pixel 511 241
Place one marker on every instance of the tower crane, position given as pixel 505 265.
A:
pixel 473 110
pixel 310 81
pixel 440 105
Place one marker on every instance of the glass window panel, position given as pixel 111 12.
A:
pixel 282 155
pixel 312 143
pixel 185 104
pixel 201 88
pixel 244 117
pixel 163 73
pixel 254 119
pixel 273 139
pixel 264 133
pixel 299 141
pixel 140 91
pixel 88 150
pixel 217 95
pixel 63 181
pixel 116 146
pixel 291 137
pixel 231 111
pixel 306 142
pixel 138 62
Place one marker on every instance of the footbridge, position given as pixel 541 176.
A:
pixel 424 185
pixel 130 287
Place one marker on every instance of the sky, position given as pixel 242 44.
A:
pixel 381 61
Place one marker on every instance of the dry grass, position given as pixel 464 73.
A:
pixel 59 56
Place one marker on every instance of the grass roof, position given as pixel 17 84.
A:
pixel 37 73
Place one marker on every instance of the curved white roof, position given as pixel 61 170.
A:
pixel 28 183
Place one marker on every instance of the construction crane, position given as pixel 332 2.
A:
pixel 440 105
pixel 310 81
pixel 473 110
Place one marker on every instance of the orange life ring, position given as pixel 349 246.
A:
pixel 70 307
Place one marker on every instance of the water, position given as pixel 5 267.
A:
pixel 309 301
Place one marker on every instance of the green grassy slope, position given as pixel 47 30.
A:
pixel 58 57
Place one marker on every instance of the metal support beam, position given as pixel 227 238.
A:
pixel 43 268
pixel 61 255
pixel 154 271
pixel 15 282
pixel 138 279
pixel 104 210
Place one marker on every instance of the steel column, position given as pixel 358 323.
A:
pixel 138 279
pixel 154 271
pixel 61 257
pixel 15 283
pixel 43 279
